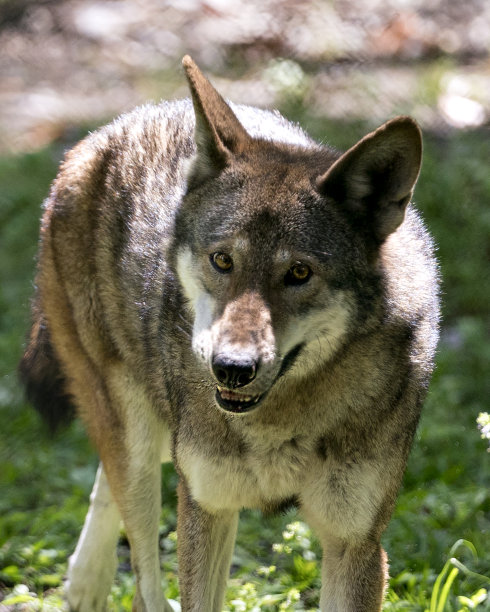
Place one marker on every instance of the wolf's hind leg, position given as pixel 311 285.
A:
pixel 93 564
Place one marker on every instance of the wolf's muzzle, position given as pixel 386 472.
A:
pixel 234 372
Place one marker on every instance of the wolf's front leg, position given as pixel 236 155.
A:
pixel 135 480
pixel 205 547
pixel 353 576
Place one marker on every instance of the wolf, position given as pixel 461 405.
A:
pixel 216 289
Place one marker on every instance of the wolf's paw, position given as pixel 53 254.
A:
pixel 84 598
pixel 88 586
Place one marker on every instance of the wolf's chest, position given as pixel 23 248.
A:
pixel 259 478
pixel 345 495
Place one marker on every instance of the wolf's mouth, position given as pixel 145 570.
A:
pixel 237 402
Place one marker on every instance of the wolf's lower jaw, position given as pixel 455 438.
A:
pixel 236 402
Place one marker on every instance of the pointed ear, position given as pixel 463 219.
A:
pixel 374 180
pixel 219 135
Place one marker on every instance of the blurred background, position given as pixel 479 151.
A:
pixel 66 62
pixel 340 68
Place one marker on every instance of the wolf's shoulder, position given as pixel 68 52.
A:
pixel 412 279
pixel 162 134
pixel 178 117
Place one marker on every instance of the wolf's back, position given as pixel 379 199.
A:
pixel 41 375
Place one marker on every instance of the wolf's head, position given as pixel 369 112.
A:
pixel 278 242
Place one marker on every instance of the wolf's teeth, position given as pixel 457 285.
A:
pixel 230 395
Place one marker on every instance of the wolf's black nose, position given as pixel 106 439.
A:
pixel 233 372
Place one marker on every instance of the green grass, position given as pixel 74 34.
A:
pixel 45 483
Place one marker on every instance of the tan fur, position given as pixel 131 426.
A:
pixel 288 369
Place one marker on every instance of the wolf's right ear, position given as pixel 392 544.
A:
pixel 219 135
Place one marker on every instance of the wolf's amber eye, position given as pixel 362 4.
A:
pixel 222 262
pixel 298 274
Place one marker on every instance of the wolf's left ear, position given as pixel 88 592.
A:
pixel 374 179
pixel 219 135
